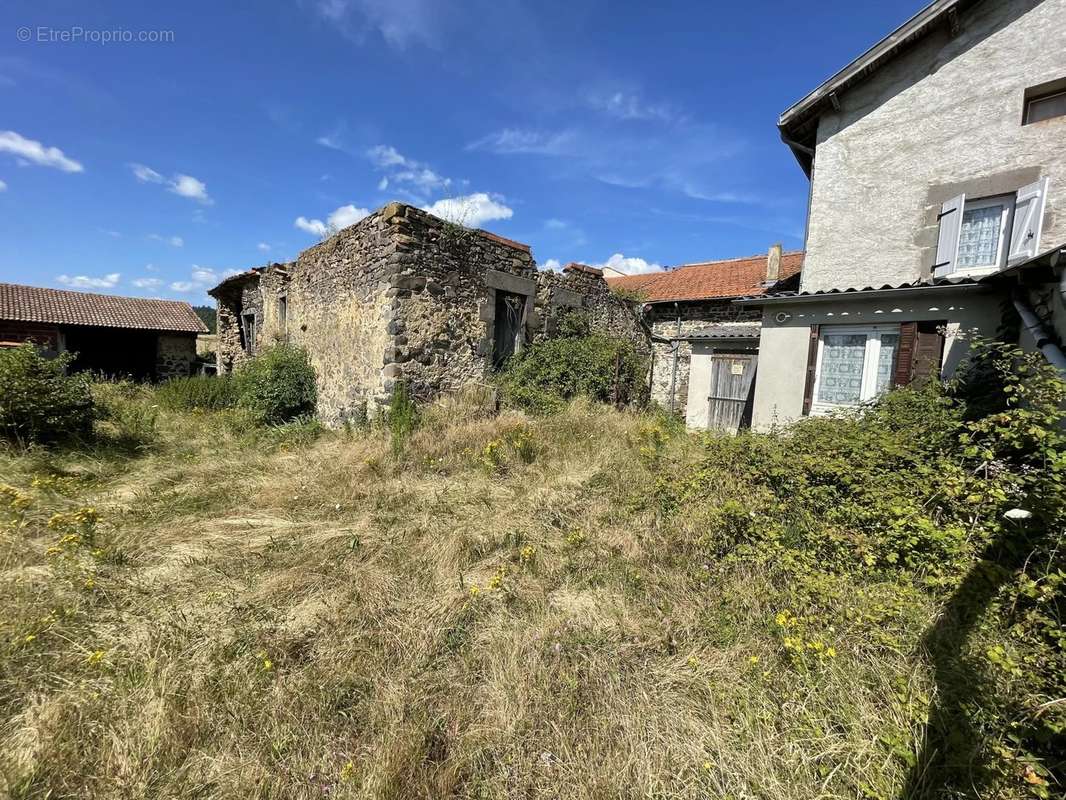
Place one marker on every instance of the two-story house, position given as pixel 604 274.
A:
pixel 937 162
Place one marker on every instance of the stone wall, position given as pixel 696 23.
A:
pixel 943 118
pixel 175 355
pixel 687 319
pixel 403 295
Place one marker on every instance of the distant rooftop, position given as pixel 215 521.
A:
pixel 63 307
pixel 708 280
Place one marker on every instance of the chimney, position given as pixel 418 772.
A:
pixel 773 264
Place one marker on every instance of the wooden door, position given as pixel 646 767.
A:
pixel 731 392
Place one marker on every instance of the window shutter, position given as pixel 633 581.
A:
pixel 1028 217
pixel 812 362
pixel 947 244
pixel 921 351
pixel 928 351
pixel 908 335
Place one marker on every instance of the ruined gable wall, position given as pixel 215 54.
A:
pixel 337 307
pixel 443 300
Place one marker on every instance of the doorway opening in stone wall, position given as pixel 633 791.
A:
pixel 731 393
pixel 507 326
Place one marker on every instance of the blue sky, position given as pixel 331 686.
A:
pixel 640 134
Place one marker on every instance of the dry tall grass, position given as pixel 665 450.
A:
pixel 492 613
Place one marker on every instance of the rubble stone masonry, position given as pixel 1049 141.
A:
pixel 403 295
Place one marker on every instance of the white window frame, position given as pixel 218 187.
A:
pixel 868 390
pixel 1007 201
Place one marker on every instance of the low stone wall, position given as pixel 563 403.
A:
pixel 175 355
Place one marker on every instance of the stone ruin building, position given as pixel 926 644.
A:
pixel 405 296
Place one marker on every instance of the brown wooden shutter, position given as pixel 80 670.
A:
pixel 908 335
pixel 921 350
pixel 812 362
pixel 928 351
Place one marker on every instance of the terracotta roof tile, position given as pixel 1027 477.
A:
pixel 735 277
pixel 62 307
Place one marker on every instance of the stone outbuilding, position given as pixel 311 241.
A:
pixel 117 336
pixel 705 347
pixel 405 296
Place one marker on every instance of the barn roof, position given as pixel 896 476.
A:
pixel 64 307
pixel 708 280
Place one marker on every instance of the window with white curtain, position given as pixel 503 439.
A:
pixel 855 364
pixel 983 238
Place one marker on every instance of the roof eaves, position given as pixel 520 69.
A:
pixel 963 284
pixel 795 116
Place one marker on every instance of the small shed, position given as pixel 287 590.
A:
pixel 118 336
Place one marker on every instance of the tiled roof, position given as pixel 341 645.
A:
pixel 62 307
pixel 727 331
pixel 735 277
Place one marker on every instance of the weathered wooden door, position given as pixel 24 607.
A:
pixel 732 383
pixel 508 326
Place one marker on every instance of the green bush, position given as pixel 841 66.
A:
pixel 549 373
pixel 39 401
pixel 199 392
pixel 278 385
pixel 957 493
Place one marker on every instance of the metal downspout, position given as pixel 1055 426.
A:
pixel 1044 342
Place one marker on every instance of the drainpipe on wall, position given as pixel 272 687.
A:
pixel 676 344
pixel 1032 323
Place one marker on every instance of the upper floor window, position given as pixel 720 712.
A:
pixel 982 235
pixel 1045 101
pixel 283 312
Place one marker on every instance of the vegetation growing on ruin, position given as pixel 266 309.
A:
pixel 590 603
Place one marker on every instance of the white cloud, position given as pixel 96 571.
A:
pixel 3 186
pixel 401 170
pixel 628 265
pixel 86 282
pixel 631 107
pixel 173 241
pixel 471 210
pixel 400 22
pixel 263 247
pixel 332 141
pixel 511 141
pixel 147 283
pixel 340 218
pixel 552 264
pixel 202 277
pixel 556 224
pixel 179 184
pixel 193 188
pixel 146 174
pixel 384 155
pixel 315 227
pixel 28 151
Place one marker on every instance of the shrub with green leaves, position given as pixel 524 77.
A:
pixel 402 416
pixel 39 401
pixel 955 493
pixel 278 385
pixel 549 373
pixel 198 393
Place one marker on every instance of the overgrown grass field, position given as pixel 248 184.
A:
pixel 592 604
